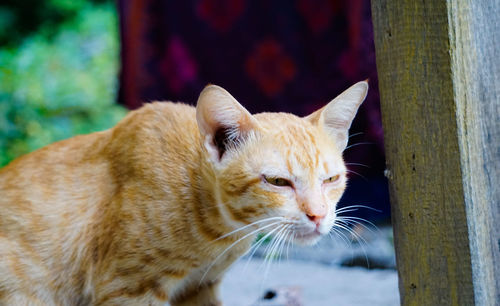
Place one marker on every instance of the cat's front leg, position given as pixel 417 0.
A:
pixel 205 295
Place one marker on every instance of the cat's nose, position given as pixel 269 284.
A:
pixel 314 207
pixel 316 218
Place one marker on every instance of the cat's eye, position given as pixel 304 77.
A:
pixel 332 179
pixel 278 181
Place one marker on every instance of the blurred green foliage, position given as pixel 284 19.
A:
pixel 52 88
pixel 19 18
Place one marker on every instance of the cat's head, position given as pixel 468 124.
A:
pixel 283 172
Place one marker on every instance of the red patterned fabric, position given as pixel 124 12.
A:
pixel 270 67
pixel 220 14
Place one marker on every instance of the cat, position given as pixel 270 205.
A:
pixel 155 209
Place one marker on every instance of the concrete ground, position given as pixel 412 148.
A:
pixel 317 284
pixel 332 273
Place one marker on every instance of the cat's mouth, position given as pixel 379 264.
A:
pixel 307 238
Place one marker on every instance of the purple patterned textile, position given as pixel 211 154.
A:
pixel 280 55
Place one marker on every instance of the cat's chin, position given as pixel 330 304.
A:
pixel 307 239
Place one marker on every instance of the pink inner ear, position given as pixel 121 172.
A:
pixel 222 138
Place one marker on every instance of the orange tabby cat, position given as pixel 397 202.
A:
pixel 156 208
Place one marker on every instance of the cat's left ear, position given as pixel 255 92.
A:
pixel 222 121
pixel 336 117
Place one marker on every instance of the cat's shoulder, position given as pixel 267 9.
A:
pixel 157 116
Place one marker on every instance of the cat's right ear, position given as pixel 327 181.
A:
pixel 222 121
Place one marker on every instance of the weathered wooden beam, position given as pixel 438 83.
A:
pixel 439 75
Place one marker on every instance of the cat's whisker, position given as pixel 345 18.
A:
pixel 257 244
pixel 355 134
pixel 277 249
pixel 270 255
pixel 263 265
pixel 345 239
pixel 281 243
pixel 358 220
pixel 249 225
pixel 340 235
pixel 285 241
pixel 269 249
pixel 353 223
pixel 351 171
pixel 358 144
pixel 346 227
pixel 290 241
pixel 346 211
pixel 358 237
pixel 357 206
pixel 232 245
pixel 357 164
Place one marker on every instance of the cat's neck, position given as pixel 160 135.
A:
pixel 194 212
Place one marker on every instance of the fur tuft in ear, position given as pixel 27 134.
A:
pixel 336 117
pixel 222 121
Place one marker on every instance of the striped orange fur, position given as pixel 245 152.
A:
pixel 145 212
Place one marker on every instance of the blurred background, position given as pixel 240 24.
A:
pixel 59 62
pixel 71 67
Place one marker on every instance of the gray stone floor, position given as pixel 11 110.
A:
pixel 332 273
pixel 318 284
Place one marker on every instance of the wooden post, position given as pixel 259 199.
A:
pixel 439 73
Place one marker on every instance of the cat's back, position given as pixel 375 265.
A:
pixel 159 123
pixel 36 176
pixel 156 128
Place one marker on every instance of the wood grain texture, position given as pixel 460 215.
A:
pixel 475 54
pixel 438 77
